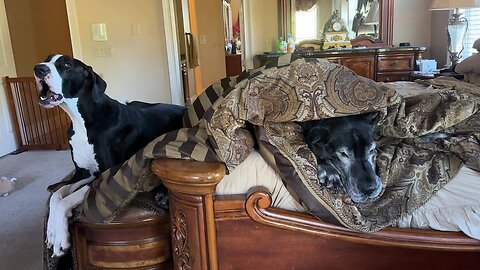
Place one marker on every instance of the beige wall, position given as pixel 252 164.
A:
pixel 235 5
pixel 261 20
pixel 439 41
pixel 138 68
pixel 411 22
pixel 37 29
pixel 212 52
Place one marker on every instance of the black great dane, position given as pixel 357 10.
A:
pixel 104 132
pixel 345 152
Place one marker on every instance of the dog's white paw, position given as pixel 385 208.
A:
pixel 328 176
pixel 57 226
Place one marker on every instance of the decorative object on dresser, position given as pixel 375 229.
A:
pixel 369 22
pixel 335 34
pixel 457 25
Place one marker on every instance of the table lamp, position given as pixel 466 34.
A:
pixel 457 25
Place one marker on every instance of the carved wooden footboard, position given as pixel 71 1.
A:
pixel 245 232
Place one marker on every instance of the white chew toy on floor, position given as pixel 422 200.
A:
pixel 6 186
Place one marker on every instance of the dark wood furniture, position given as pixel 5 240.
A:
pixel 233 64
pixel 244 232
pixel 137 239
pixel 379 64
pixel 35 127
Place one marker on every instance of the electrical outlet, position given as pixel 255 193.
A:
pixel 203 39
pixel 135 29
pixel 104 51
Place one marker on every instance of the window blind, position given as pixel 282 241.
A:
pixel 473 32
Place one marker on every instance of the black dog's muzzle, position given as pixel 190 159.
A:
pixel 41 71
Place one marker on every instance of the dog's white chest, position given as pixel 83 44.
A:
pixel 82 150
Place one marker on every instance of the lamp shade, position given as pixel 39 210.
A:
pixel 452 4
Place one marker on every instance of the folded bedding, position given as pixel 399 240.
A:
pixel 261 107
pixel 455 207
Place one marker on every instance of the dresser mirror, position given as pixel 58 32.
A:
pixel 364 22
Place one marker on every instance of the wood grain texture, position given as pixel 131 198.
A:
pixel 35 127
pixel 250 234
pixel 143 243
pixel 188 176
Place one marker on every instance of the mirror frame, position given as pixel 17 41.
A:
pixel 385 38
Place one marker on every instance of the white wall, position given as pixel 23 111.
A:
pixel 138 69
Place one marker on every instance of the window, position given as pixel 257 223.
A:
pixel 309 18
pixel 473 32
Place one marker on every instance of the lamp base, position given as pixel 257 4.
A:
pixel 450 72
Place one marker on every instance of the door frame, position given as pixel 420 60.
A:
pixel 170 27
pixel 9 144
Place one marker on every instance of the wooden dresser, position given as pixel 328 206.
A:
pixel 379 64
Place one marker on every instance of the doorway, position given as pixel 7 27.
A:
pixel 7 68
pixel 134 56
pixel 234 36
pixel 187 33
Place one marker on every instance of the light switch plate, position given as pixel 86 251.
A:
pixel 203 39
pixel 99 32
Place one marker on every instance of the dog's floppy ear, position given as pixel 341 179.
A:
pixel 372 118
pixel 313 132
pixel 99 85
pixel 317 135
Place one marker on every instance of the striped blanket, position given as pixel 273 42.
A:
pixel 116 187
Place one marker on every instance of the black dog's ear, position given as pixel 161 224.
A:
pixel 372 118
pixel 317 135
pixel 99 85
pixel 313 132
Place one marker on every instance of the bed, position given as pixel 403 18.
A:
pixel 245 230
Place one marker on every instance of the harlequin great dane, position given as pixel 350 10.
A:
pixel 345 152
pixel 104 132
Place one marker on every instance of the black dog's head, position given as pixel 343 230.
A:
pixel 345 152
pixel 62 77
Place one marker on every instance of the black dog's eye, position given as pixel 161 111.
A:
pixel 343 154
pixel 68 65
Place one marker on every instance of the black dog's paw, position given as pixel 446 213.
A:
pixel 328 176
pixel 161 198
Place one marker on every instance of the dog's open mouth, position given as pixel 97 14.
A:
pixel 47 98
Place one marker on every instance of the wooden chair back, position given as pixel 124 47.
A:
pixel 36 128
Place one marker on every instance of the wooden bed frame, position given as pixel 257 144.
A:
pixel 245 232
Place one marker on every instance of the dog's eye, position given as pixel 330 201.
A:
pixel 68 65
pixel 373 151
pixel 343 154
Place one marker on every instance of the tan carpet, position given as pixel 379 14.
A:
pixel 22 212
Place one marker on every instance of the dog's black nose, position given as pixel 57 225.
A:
pixel 369 190
pixel 41 71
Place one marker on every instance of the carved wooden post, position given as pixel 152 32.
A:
pixel 191 185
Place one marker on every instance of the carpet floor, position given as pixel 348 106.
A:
pixel 22 212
